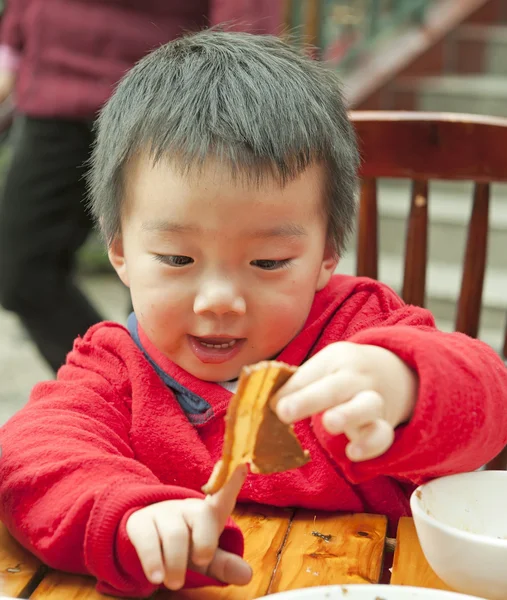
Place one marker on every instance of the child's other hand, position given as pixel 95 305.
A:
pixel 364 392
pixel 173 536
pixel 7 81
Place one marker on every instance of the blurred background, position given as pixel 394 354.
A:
pixel 428 55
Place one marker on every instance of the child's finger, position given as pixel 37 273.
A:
pixel 206 531
pixel 364 408
pixel 224 501
pixel 320 395
pixel 144 537
pixel 371 441
pixel 230 568
pixel 309 372
pixel 175 540
pixel 319 366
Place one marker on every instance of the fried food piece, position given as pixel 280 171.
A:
pixel 254 434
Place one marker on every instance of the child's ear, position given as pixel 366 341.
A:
pixel 117 259
pixel 327 268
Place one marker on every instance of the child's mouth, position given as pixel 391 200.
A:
pixel 215 350
pixel 218 345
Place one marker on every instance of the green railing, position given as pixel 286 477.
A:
pixel 344 30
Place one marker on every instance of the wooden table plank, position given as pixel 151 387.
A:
pixel 410 566
pixel 19 569
pixel 279 545
pixel 58 585
pixel 352 554
pixel 264 529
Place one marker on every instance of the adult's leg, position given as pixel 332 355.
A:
pixel 43 221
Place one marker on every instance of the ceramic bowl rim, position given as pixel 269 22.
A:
pixel 439 594
pixel 478 538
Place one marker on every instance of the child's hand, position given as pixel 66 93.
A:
pixel 365 391
pixel 7 81
pixel 173 536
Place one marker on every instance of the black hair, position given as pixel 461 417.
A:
pixel 253 102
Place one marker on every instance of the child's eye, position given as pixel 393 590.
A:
pixel 271 265
pixel 174 260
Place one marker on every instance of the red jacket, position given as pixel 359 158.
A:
pixel 109 437
pixel 72 52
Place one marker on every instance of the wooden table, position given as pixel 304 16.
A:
pixel 281 546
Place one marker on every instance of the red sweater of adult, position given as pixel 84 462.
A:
pixel 109 437
pixel 71 53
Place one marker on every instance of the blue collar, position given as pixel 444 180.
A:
pixel 193 405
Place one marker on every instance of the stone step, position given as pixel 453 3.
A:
pixel 450 205
pixel 473 94
pixel 442 287
pixel 478 49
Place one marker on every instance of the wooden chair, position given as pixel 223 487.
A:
pixel 422 146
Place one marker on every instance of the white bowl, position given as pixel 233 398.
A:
pixel 366 592
pixel 461 522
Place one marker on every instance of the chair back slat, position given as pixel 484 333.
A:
pixel 367 234
pixel 472 283
pixel 416 249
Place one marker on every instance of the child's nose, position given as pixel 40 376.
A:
pixel 219 299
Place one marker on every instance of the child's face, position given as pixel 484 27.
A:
pixel 215 262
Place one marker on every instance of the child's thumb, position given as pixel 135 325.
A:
pixel 229 568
